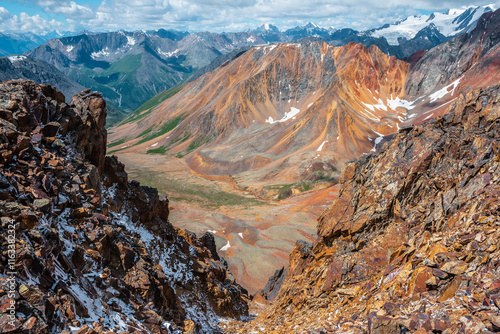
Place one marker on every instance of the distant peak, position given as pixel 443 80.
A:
pixel 311 25
pixel 267 27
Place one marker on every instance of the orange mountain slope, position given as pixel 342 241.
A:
pixel 276 110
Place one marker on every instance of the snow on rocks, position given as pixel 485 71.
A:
pixel 288 115
pixel 445 90
pixel 377 141
pixel 14 59
pixel 97 248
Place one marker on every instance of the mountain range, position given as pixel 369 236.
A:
pixel 365 177
pixel 12 44
pixel 255 113
pixel 283 119
pixel 129 68
pixel 24 67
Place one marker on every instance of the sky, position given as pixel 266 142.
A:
pixel 43 16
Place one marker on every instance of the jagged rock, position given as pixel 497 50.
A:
pixel 7 325
pixel 42 204
pixel 94 251
pixel 114 172
pixel 50 129
pixel 272 287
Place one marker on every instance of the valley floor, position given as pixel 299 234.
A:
pixel 254 235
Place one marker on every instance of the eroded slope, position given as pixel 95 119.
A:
pixel 274 111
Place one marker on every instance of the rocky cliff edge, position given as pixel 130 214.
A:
pixel 94 253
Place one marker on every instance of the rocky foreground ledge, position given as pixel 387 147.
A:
pixel 94 253
pixel 411 245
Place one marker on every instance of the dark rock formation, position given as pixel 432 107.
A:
pixel 272 287
pixel 93 251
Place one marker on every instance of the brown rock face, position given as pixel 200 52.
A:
pixel 406 246
pixel 92 250
pixel 92 135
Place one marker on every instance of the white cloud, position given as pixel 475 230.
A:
pixel 24 23
pixel 231 15
pixel 69 9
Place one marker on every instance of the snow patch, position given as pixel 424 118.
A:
pixel 241 235
pixel 167 54
pixel 251 39
pixel 428 111
pixel 130 40
pixel 103 53
pixel 377 141
pixel 14 59
pixel 379 105
pixel 269 48
pixel 288 115
pixel 444 91
pixel 226 247
pixel 397 102
pixel 321 146
pixel 444 22
pixel 69 48
pixel 154 144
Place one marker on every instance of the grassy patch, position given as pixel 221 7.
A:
pixel 127 64
pixel 197 143
pixel 179 189
pixel 159 150
pixel 286 190
pixel 167 127
pixel 145 132
pixel 116 143
pixel 148 106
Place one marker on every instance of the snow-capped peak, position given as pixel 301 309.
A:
pixel 311 25
pixel 448 23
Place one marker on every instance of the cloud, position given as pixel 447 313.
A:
pixel 229 15
pixel 69 9
pixel 24 23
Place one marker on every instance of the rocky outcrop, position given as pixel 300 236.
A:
pixel 94 253
pixel 411 243
pixel 270 291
